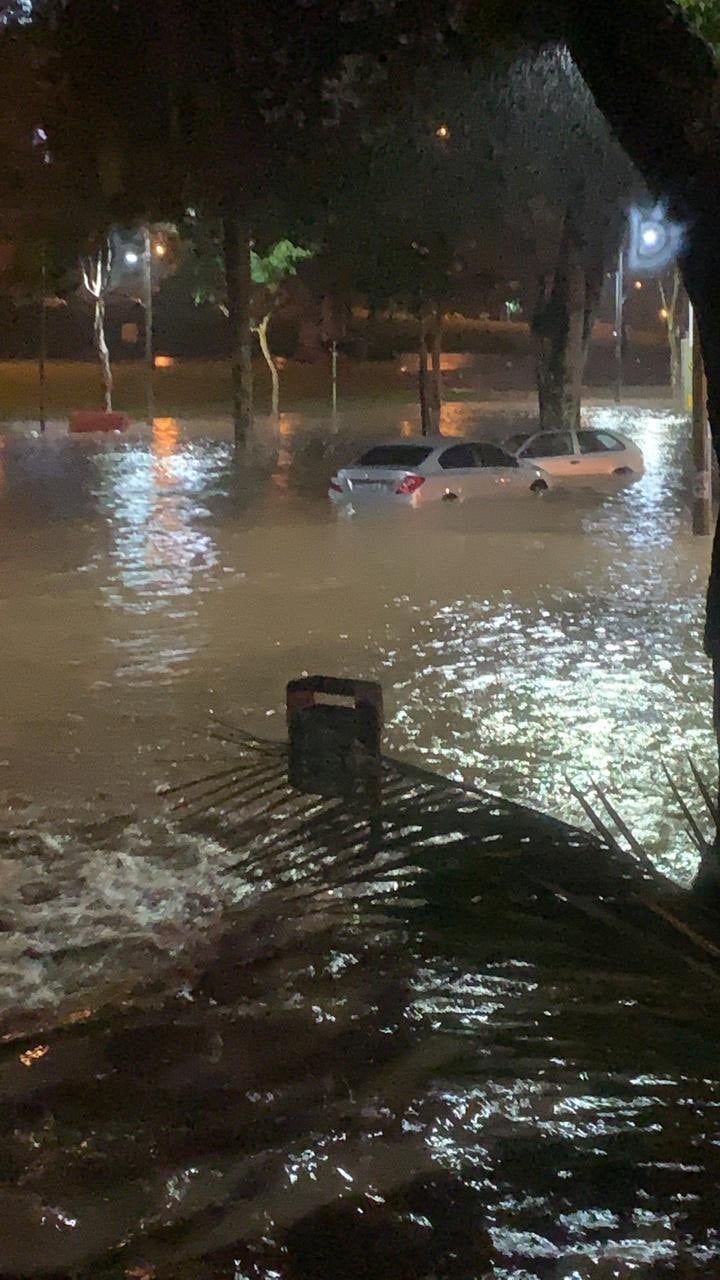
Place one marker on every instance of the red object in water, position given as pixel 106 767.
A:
pixel 83 421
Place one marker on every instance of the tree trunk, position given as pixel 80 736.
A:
pixel 262 333
pixel 236 250
pixel 436 387
pixel 103 353
pixel 425 408
pixel 96 270
pixel 561 327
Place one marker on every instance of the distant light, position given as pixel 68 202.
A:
pixel 131 257
pixel 164 362
pixel 651 236
pixel 638 284
pixel 442 132
pixel 160 250
pixel 663 313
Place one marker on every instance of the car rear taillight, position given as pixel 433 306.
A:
pixel 409 484
pixel 335 485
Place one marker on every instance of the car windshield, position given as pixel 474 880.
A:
pixel 513 443
pixel 394 455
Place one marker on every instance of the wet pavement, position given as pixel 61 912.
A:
pixel 146 587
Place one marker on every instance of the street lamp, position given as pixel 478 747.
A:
pixel 650 237
pixel 134 259
pixel 653 242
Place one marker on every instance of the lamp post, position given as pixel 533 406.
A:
pixel 619 321
pixel 655 242
pixel 133 259
pixel 42 354
pixel 149 320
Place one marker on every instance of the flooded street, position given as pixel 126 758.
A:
pixel 147 588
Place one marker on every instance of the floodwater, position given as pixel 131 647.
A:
pixel 147 588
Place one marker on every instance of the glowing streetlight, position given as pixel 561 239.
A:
pixel 638 284
pixel 131 258
pixel 442 132
pixel 160 249
pixel 655 240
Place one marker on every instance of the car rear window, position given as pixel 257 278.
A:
pixel 395 455
pixel 490 455
pixel 599 442
pixel 550 444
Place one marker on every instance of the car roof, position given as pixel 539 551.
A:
pixel 613 431
pixel 428 442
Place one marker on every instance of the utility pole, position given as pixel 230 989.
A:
pixel 148 306
pixel 702 447
pixel 619 308
pixel 42 354
pixel 334 383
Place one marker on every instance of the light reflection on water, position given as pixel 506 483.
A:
pixel 146 584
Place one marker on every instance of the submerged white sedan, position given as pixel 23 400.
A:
pixel 585 452
pixel 433 469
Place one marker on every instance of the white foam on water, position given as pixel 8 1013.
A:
pixel 82 915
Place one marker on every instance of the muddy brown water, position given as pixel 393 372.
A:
pixel 145 587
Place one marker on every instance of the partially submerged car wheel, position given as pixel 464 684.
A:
pixel 539 486
pixel 623 471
